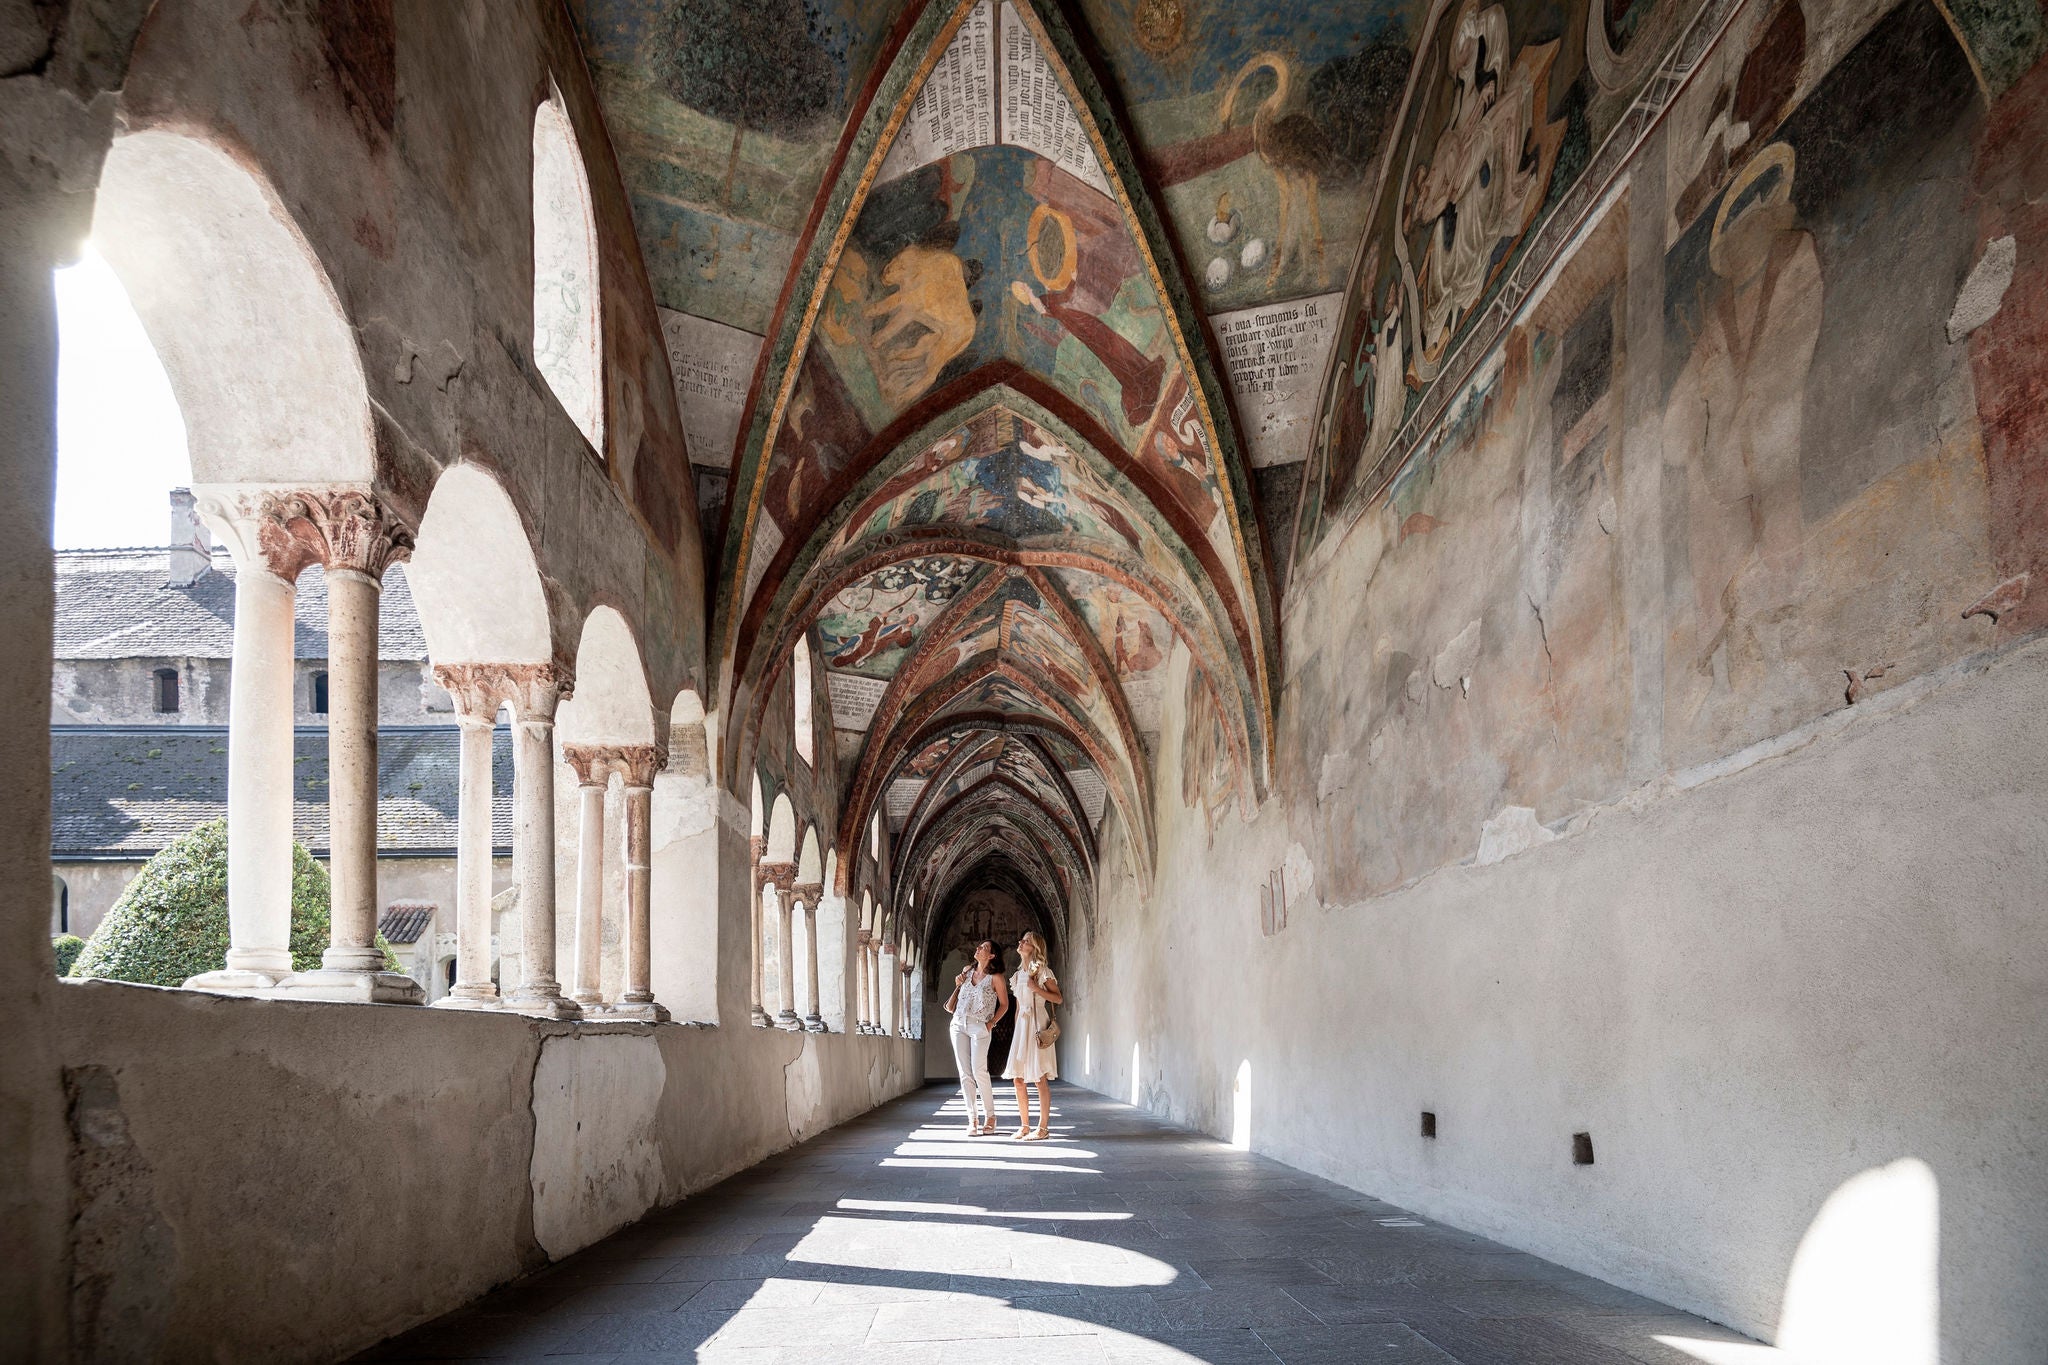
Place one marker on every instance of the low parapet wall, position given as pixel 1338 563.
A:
pixel 266 1180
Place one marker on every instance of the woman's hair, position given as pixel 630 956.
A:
pixel 1038 944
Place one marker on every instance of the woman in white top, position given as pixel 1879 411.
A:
pixel 978 1000
pixel 1031 1060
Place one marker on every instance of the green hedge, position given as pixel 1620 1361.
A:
pixel 172 921
pixel 67 948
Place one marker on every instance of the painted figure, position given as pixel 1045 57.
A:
pixel 1734 416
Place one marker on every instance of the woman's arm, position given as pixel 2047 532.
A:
pixel 1048 988
pixel 1002 1001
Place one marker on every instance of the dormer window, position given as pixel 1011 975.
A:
pixel 319 702
pixel 166 691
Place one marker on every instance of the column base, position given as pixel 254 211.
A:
pixel 233 982
pixel 539 1006
pixel 813 1024
pixel 788 1022
pixel 645 1011
pixel 759 1018
pixel 359 988
pixel 456 1000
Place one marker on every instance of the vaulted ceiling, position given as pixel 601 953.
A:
pixel 988 459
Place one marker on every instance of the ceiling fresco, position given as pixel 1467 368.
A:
pixel 998 330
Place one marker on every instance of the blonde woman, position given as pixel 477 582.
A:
pixel 978 1000
pixel 1034 989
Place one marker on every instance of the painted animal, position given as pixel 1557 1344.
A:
pixel 1296 149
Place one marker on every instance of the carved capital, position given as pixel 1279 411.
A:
pixel 478 689
pixel 808 892
pixel 636 764
pixel 781 875
pixel 344 528
pixel 865 940
pixel 757 845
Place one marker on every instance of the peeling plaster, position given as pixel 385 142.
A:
pixel 1984 291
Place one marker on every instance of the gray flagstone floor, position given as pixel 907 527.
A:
pixel 898 1240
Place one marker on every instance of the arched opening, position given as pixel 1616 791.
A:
pixel 482 611
pixel 567 346
pixel 804 722
pixel 685 869
pixel 1241 1107
pixel 243 378
pixel 609 748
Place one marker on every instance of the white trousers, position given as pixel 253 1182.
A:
pixel 970 1054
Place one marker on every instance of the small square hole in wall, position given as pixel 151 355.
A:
pixel 1428 1124
pixel 1582 1149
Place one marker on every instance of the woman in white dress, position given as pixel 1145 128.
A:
pixel 978 1000
pixel 1035 989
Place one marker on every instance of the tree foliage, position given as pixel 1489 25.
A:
pixel 67 947
pixel 171 923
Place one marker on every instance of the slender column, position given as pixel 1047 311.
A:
pixel 476 694
pixel 593 771
pixel 903 1001
pixel 758 846
pixel 874 960
pixel 784 877
pixel 808 896
pixel 356 538
pixel 889 984
pixel 638 764
pixel 535 691
pixel 259 759
pixel 860 987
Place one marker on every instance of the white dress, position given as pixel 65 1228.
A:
pixel 1029 1061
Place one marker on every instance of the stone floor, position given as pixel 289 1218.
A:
pixel 896 1239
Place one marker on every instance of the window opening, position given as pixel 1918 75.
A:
pixel 565 283
pixel 806 737
pixel 167 691
pixel 319 694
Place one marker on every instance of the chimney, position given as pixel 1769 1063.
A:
pixel 191 545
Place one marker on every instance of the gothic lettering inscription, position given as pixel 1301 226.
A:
pixel 1275 355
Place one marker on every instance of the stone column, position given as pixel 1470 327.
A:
pixel 260 772
pixel 758 845
pixel 535 690
pixel 890 983
pixel 593 772
pixel 808 895
pixel 874 965
pixel 860 989
pixel 476 689
pixel 783 877
pixel 638 763
pixel 356 538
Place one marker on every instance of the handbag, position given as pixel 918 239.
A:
pixel 1049 1035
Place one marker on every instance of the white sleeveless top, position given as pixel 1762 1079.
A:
pixel 975 1005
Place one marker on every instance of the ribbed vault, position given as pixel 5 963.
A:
pixel 988 472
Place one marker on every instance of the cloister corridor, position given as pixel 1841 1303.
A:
pixel 895 1239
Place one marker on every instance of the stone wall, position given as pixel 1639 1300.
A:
pixel 211 1137
pixel 1661 741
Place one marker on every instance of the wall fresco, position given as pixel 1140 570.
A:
pixel 1502 113
pixel 1733 467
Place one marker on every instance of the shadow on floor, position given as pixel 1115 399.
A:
pixel 899 1240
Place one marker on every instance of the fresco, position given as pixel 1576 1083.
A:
pixel 1003 472
pixel 725 116
pixel 1501 116
pixel 1134 637
pixel 1800 510
pixel 871 626
pixel 1262 126
pixel 1020 764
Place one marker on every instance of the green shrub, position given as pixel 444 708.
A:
pixel 67 948
pixel 172 921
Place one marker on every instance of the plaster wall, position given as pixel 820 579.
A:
pixel 416 1158
pixel 1748 992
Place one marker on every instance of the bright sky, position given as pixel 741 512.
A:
pixel 120 440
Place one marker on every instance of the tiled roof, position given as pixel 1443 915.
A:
pixel 114 604
pixel 122 791
pixel 405 921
